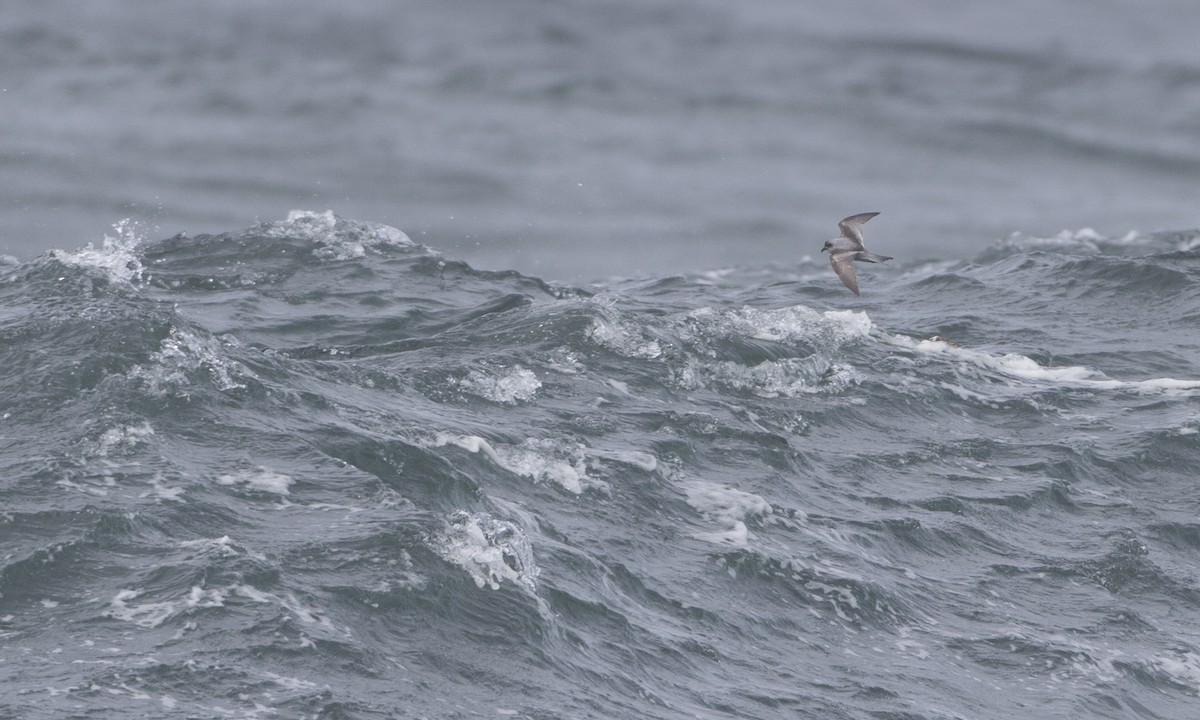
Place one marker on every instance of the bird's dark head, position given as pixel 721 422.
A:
pixel 828 245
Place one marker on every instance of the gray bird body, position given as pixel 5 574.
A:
pixel 844 251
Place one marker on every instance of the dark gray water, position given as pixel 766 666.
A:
pixel 314 470
pixel 580 140
pixel 326 468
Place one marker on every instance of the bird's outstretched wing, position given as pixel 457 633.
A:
pixel 843 265
pixel 851 227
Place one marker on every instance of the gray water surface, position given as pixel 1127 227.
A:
pixel 580 140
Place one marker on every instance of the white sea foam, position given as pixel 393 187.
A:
pixel 729 508
pixel 1022 367
pixel 701 330
pixel 101 465
pixel 642 461
pixel 220 546
pixel 623 339
pixel 789 377
pixel 261 479
pixel 1077 242
pixel 848 326
pixel 1189 244
pixel 122 439
pixel 253 594
pixel 153 614
pixel 309 222
pixel 116 256
pixel 336 238
pixel 797 323
pixel 491 551
pixel 470 443
pixel 183 352
pixel 507 385
pixel 546 461
pixel 163 491
pixel 565 361
pixel 115 442
pixel 290 683
pixel 305 614
pixel 1183 668
pixel 698 329
pixel 541 460
pixel 620 386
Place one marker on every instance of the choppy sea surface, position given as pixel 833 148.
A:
pixel 314 469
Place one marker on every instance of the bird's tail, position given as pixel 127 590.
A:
pixel 872 257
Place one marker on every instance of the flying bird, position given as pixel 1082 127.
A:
pixel 849 247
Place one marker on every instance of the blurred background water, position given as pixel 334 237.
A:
pixel 578 140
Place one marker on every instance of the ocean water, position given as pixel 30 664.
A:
pixel 313 469
pixel 548 405
pixel 577 140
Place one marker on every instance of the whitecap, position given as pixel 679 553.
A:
pixel 220 546
pixel 541 460
pixel 507 385
pixel 311 222
pixel 623 339
pixel 470 443
pixel 116 256
pixel 1015 365
pixel 491 551
pixel 184 352
pixel 290 683
pixel 261 479
pixel 162 491
pixel 546 461
pixel 848 326
pixel 122 439
pixel 728 507
pixel 640 460
pixel 337 238
pixel 565 361
pixel 789 377
pixel 1081 242
pixel 797 323
pixel 1183 668
pixel 153 614
pixel 1189 244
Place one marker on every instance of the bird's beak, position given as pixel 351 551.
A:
pixel 824 249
